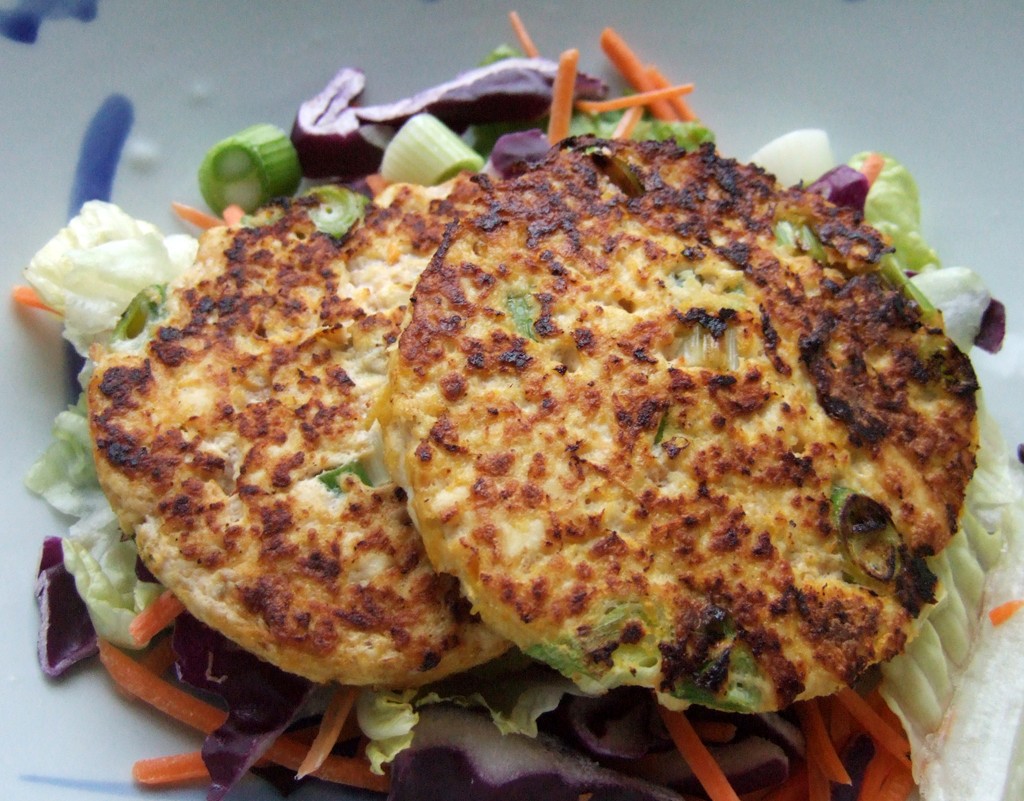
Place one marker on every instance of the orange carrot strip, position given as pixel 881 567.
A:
pixel 714 731
pixel 1005 611
pixel 697 756
pixel 897 785
pixel 818 787
pixel 840 724
pixel 562 94
pixel 175 769
pixel 352 771
pixel 138 682
pixel 627 63
pixel 155 618
pixel 677 102
pixel 628 101
pixel 525 42
pixel 27 296
pixel 793 789
pixel 886 736
pixel 376 182
pixel 233 214
pixel 159 658
pixel 628 123
pixel 821 753
pixel 196 216
pixel 872 167
pixel 878 768
pixel 330 727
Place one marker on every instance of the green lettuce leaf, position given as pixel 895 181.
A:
pixel 104 569
pixel 92 268
pixel 894 208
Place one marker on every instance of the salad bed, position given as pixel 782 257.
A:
pixel 106 575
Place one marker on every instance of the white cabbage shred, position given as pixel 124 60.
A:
pixel 90 272
pixel 958 688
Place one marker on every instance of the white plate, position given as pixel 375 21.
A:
pixel 935 84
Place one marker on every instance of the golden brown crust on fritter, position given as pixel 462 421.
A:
pixel 211 437
pixel 660 447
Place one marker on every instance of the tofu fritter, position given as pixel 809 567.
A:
pixel 234 443
pixel 671 426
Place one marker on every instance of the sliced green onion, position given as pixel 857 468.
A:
pixel 521 308
pixel 331 478
pixel 894 275
pixel 249 168
pixel 143 310
pixel 340 208
pixel 426 151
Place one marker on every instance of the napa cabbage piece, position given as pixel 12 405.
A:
pixel 893 206
pixel 91 270
pixel 513 689
pixel 958 688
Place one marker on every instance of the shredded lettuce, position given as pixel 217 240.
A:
pixel 65 474
pixel 953 686
pixel 513 689
pixel 90 272
pixel 894 208
pixel 92 268
pixel 104 569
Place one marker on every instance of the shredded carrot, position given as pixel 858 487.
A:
pixel 872 167
pixel 27 296
pixel 840 724
pixel 175 769
pixel 233 214
pixel 140 683
pixel 714 731
pixel 886 736
pixel 793 789
pixel 821 753
pixel 818 787
pixel 679 105
pixel 155 618
pixel 697 756
pixel 880 765
pixel 376 182
pixel 639 99
pixel 196 216
pixel 562 95
pixel 635 73
pixel 159 658
pixel 137 681
pixel 897 785
pixel 1004 612
pixel 330 727
pixel 525 42
pixel 628 123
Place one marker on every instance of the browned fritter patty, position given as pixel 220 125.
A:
pixel 216 439
pixel 670 426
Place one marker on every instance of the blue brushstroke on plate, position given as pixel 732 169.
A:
pixel 100 152
pixel 98 157
pixel 21 23
pixel 126 789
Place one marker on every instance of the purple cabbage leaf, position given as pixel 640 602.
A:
pixel 66 634
pixel 261 699
pixel 844 186
pixel 337 139
pixel 461 754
